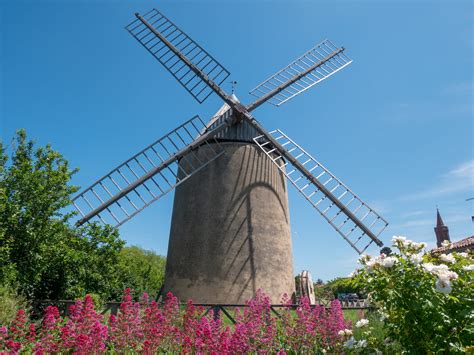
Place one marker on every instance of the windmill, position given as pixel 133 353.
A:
pixel 230 230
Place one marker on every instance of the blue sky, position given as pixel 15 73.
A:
pixel 396 125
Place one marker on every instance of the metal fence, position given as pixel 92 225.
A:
pixel 218 310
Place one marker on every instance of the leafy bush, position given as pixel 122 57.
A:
pixel 10 303
pixel 425 300
pixel 141 270
pixel 343 285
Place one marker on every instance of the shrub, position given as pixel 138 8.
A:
pixel 10 303
pixel 426 300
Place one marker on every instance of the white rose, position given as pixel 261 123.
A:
pixel 398 239
pixel 447 258
pixel 468 268
pixel 447 275
pixel 370 264
pixel 416 258
pixel 389 261
pixel 445 243
pixel 362 323
pixel 428 266
pixel 443 286
pixel 434 269
pixel 464 255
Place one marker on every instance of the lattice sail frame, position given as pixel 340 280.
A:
pixel 148 175
pixel 200 74
pixel 337 218
pixel 314 66
pixel 176 64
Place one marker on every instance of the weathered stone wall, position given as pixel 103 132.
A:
pixel 230 231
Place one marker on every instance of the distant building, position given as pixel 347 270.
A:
pixel 442 234
pixel 441 231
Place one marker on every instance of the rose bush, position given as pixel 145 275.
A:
pixel 426 300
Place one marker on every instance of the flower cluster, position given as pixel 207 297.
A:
pixel 443 274
pixel 423 298
pixel 381 261
pixel 151 327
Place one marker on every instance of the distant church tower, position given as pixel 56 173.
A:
pixel 441 231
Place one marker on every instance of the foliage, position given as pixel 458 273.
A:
pixel 10 303
pixel 343 285
pixel 425 300
pixel 386 250
pixel 149 327
pixel 39 250
pixel 141 270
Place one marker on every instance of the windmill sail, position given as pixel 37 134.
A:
pixel 317 64
pixel 352 218
pixel 149 174
pixel 194 68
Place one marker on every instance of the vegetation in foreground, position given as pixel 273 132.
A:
pixel 149 327
pixel 42 255
pixel 426 301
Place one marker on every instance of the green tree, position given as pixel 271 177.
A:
pixel 343 285
pixel 39 250
pixel 141 270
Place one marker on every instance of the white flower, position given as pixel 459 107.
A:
pixel 464 255
pixel 468 268
pixel 398 239
pixel 361 344
pixel 416 258
pixel 371 263
pixel 434 269
pixel 350 343
pixel 445 243
pixel 363 259
pixel 446 275
pixel 447 258
pixel 389 261
pixel 443 286
pixel 345 332
pixel 362 323
pixel 440 267
pixel 419 246
pixel 428 266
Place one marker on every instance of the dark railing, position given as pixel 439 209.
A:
pixel 39 306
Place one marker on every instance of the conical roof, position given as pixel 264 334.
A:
pixel 439 220
pixel 239 132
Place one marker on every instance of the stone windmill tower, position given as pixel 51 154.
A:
pixel 230 230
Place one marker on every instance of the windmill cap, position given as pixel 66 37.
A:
pixel 241 132
pixel 234 98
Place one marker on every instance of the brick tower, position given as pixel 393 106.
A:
pixel 441 231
